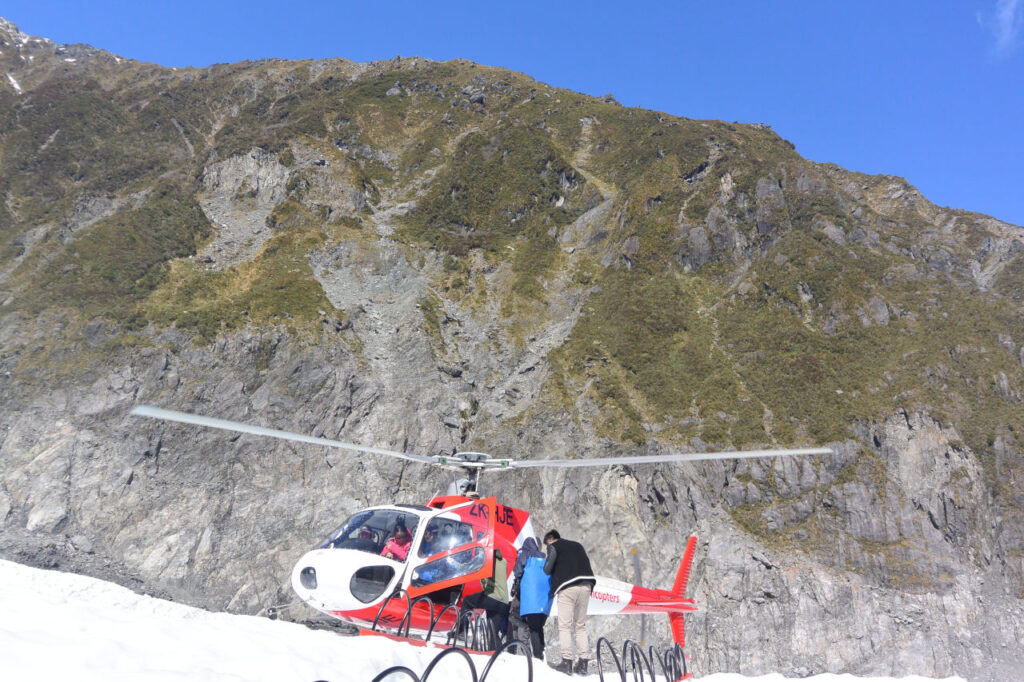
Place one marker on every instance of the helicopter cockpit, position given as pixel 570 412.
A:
pixel 371 529
pixel 428 550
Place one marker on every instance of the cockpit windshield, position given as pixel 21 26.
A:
pixel 443 534
pixel 385 532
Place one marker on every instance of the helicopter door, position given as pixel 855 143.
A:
pixel 461 552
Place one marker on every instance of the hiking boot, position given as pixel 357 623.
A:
pixel 581 666
pixel 565 666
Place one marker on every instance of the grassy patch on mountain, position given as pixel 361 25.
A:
pixel 638 322
pixel 802 374
pixel 118 261
pixel 650 354
pixel 277 287
pixel 506 192
pixel 1010 283
pixel 333 107
pixel 976 383
pixel 800 355
pixel 629 141
pixel 498 186
pixel 75 140
pixel 817 381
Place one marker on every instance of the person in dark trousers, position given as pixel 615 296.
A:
pixel 494 597
pixel 532 592
pixel 572 580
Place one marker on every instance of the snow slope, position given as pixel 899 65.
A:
pixel 61 626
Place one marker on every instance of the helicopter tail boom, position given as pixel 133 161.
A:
pixel 611 597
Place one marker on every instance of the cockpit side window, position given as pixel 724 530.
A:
pixel 442 534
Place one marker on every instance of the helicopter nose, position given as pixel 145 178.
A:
pixel 308 578
pixel 341 579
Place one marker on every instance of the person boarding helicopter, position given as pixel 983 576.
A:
pixel 572 582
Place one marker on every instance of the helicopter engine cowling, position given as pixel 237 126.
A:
pixel 332 580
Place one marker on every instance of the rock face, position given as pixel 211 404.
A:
pixel 238 196
pixel 439 257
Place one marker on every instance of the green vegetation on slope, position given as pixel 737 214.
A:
pixel 275 287
pixel 118 261
pixel 508 189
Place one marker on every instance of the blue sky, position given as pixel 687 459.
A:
pixel 930 90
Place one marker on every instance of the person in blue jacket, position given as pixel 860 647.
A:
pixel 534 587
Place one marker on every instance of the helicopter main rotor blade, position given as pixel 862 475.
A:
pixel 186 418
pixel 683 457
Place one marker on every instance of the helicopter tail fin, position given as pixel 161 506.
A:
pixel 679 590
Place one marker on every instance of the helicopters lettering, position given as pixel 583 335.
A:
pixel 448 545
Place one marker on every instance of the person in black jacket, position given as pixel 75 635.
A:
pixel 572 580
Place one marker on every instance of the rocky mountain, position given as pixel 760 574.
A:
pixel 444 256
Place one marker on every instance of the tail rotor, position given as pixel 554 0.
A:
pixel 679 590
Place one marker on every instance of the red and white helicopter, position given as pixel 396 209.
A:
pixel 352 576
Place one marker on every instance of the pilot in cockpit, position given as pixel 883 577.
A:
pixel 430 543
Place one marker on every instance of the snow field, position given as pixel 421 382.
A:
pixel 61 626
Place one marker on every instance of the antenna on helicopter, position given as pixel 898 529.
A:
pixel 470 463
